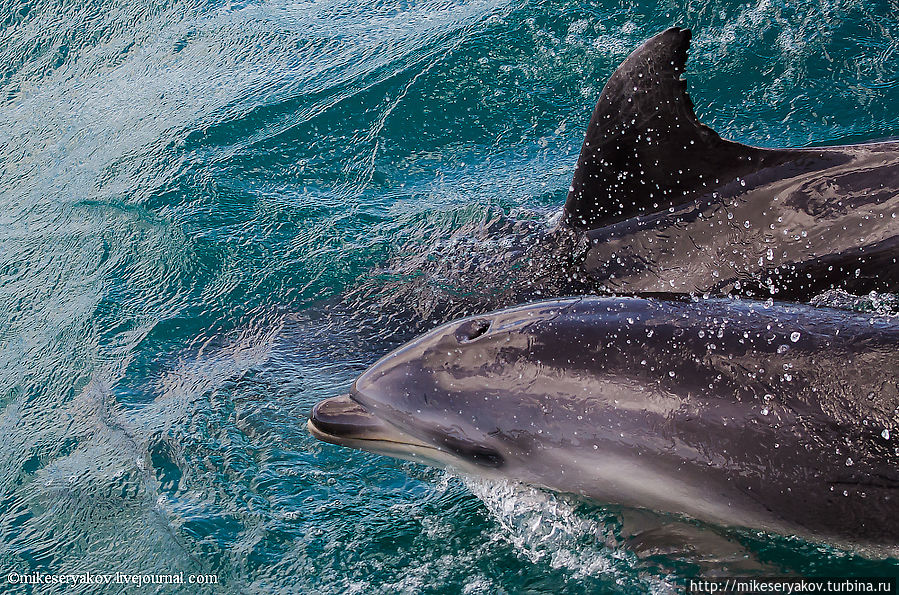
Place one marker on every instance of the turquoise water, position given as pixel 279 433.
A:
pixel 187 189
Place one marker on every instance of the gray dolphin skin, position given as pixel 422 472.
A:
pixel 666 205
pixel 763 415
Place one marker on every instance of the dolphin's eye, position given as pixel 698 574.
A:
pixel 471 330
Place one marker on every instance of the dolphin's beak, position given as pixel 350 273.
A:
pixel 342 418
pixel 342 421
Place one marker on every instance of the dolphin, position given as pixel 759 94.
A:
pixel 659 202
pixel 665 204
pixel 765 415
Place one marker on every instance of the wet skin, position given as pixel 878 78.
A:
pixel 774 417
pixel 779 237
pixel 660 202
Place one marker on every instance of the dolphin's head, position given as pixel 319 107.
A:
pixel 572 394
pixel 452 397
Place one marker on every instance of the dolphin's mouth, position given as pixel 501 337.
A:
pixel 342 421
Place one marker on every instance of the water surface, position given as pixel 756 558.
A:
pixel 188 187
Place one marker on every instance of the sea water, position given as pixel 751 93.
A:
pixel 188 187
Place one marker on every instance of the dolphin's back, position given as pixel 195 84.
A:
pixel 668 205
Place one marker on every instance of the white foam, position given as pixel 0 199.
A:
pixel 546 527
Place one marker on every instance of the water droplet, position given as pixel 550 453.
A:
pixel 849 462
pixel 795 336
pixel 765 411
pixel 885 434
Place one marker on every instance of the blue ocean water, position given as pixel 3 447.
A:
pixel 186 188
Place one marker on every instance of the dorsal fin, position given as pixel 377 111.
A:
pixel 645 150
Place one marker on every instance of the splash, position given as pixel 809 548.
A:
pixel 884 304
pixel 546 527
